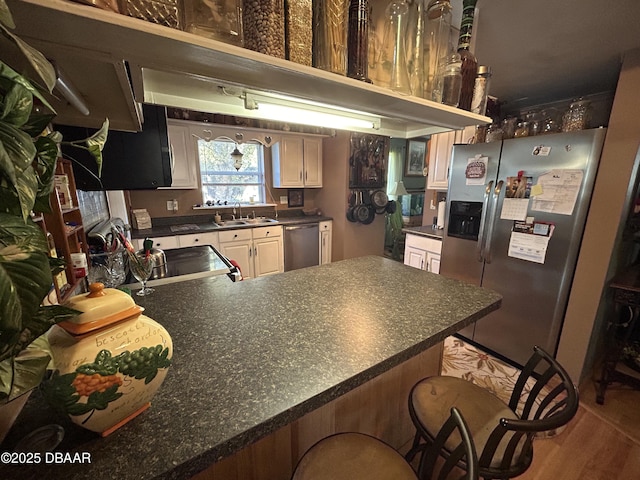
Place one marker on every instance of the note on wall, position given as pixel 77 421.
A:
pixel 557 191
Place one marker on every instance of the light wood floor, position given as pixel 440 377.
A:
pixel 602 442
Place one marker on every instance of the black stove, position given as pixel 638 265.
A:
pixel 187 263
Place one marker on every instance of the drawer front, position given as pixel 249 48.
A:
pixel 267 232
pixel 235 235
pixel 192 239
pixel 158 242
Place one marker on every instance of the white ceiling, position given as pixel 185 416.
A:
pixel 547 50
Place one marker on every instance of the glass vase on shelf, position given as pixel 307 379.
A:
pixel 358 40
pixel 414 43
pixel 330 35
pixel 393 53
pixel 469 61
pixel 436 48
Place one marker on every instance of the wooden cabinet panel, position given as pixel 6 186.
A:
pixel 378 407
pixel 183 156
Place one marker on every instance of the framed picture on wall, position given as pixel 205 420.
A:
pixel 416 158
pixel 295 198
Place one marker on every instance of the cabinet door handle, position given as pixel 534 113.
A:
pixel 300 175
pixel 255 251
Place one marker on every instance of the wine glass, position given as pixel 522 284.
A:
pixel 141 266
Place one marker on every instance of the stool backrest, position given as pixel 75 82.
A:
pixel 465 453
pixel 543 401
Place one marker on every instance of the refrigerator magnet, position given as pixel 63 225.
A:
pixel 476 171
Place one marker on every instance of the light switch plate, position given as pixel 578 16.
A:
pixel 283 199
pixel 170 205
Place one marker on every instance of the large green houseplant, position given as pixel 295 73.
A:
pixel 28 155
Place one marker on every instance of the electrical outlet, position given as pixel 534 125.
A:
pixel 175 205
pixel 283 199
pixel 170 205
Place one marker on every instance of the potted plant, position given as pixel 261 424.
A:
pixel 28 155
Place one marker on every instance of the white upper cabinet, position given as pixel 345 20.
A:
pixel 440 156
pixel 171 67
pixel 184 171
pixel 297 162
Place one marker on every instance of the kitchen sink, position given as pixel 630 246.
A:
pixel 232 223
pixel 262 220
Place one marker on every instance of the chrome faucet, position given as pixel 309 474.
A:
pixel 254 214
pixel 234 210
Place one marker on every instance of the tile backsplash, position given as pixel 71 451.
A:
pixel 93 208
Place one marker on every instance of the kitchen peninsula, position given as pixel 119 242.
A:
pixel 253 358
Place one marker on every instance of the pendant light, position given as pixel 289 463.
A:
pixel 236 156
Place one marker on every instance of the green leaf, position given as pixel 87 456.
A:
pixel 101 400
pixel 47 70
pixel 25 277
pixel 6 18
pixel 95 144
pixel 18 103
pixel 17 152
pixel 37 123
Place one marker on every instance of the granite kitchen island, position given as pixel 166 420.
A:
pixel 253 358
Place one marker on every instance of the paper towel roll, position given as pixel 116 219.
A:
pixel 441 207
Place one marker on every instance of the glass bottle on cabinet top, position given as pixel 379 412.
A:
pixel 264 20
pixel 358 40
pixel 414 43
pixel 330 35
pixel 437 24
pixel 393 53
pixel 217 19
pixel 469 62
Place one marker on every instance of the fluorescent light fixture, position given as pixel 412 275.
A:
pixel 69 91
pixel 309 113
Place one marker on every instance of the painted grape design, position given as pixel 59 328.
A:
pixel 100 380
pixel 85 385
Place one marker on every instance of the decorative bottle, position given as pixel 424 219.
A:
pixel 358 40
pixel 469 62
pixel 481 90
pixel 437 24
pixel 394 55
pixel 330 35
pixel 415 46
pixel 451 81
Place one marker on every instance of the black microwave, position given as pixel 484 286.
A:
pixel 131 160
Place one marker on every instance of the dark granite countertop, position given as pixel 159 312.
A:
pixel 204 224
pixel 425 231
pixel 253 356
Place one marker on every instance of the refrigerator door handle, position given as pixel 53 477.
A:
pixel 483 220
pixel 492 220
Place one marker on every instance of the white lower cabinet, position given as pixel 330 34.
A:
pixel 423 253
pixel 259 251
pixel 325 241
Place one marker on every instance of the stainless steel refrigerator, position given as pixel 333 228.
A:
pixel 515 216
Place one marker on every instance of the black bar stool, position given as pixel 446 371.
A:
pixel 502 433
pixel 356 456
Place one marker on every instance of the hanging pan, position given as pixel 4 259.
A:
pixel 351 208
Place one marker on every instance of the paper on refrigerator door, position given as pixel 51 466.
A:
pixel 525 246
pixel 559 191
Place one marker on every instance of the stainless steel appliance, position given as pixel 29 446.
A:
pixel 515 216
pixel 301 246
pixel 188 263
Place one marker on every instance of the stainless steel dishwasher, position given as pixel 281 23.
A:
pixel 301 246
